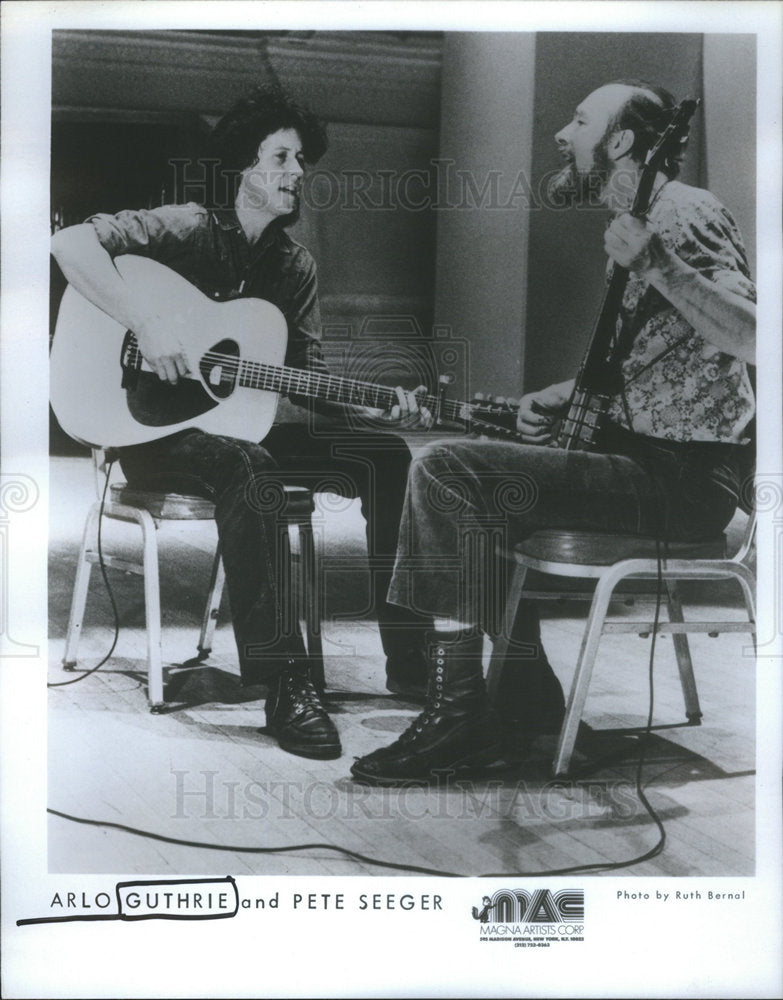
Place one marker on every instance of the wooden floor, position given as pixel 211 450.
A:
pixel 204 772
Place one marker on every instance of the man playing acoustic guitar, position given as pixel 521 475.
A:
pixel 241 249
pixel 667 461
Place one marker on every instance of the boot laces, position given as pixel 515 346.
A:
pixel 302 693
pixel 432 704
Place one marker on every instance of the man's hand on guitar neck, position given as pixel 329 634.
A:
pixel 406 413
pixel 631 244
pixel 539 411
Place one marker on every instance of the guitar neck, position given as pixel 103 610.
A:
pixel 314 385
pixel 216 366
pixel 597 373
pixel 598 378
pixel 579 427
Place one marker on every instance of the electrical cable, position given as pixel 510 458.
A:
pixel 354 855
pixel 661 542
pixel 75 680
pixel 603 866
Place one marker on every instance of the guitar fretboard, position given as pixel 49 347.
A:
pixel 220 368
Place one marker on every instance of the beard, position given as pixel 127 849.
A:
pixel 571 186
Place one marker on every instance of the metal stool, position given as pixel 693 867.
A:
pixel 611 559
pixel 147 510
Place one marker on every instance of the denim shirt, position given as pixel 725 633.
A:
pixel 211 251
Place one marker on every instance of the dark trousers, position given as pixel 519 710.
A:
pixel 244 480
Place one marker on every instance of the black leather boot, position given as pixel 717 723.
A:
pixel 529 703
pixel 406 672
pixel 529 698
pixel 296 717
pixel 456 729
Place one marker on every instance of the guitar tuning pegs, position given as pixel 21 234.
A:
pixel 478 397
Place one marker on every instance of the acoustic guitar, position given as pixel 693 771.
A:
pixel 104 394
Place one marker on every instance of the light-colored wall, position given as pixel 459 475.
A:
pixel 482 254
pixel 730 128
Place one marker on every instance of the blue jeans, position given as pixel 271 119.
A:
pixel 243 480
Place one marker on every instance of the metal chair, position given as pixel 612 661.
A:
pixel 610 560
pixel 148 509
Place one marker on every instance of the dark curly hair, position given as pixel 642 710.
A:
pixel 236 137
pixel 647 112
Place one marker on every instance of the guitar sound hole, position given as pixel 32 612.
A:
pixel 153 403
pixel 219 368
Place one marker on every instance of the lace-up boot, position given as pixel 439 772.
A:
pixel 457 727
pixel 296 717
pixel 406 673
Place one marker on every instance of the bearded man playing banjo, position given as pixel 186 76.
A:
pixel 667 460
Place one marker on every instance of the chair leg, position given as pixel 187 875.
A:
pixel 683 653
pixel 312 604
pixel 152 611
pixel 583 673
pixel 747 582
pixel 216 583
pixel 79 598
pixel 501 642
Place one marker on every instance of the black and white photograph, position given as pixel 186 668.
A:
pixel 392 499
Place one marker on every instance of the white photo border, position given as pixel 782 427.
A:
pixel 637 952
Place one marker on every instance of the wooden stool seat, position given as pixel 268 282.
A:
pixel 299 502
pixel 164 506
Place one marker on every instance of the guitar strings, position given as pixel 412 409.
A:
pixel 260 375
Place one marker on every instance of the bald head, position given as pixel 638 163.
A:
pixel 613 97
pixel 643 108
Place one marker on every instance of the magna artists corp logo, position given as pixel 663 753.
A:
pixel 533 919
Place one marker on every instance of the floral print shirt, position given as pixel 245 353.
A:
pixel 677 385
